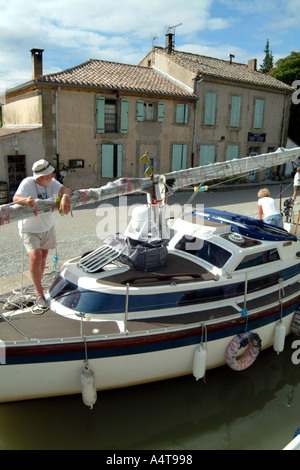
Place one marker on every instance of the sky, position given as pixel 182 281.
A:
pixel 73 31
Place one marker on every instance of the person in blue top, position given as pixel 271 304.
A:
pixel 38 233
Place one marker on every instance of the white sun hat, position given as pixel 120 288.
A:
pixel 42 168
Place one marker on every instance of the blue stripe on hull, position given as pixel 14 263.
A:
pixel 126 345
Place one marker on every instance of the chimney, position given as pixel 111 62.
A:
pixel 252 65
pixel 170 42
pixel 37 62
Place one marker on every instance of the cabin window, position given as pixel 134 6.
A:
pixel 205 250
pixel 257 259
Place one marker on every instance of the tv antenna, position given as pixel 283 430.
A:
pixel 173 27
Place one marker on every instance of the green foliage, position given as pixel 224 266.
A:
pixel 267 64
pixel 287 70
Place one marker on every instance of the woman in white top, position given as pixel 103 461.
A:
pixel 296 183
pixel 267 209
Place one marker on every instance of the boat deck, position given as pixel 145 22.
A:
pixel 20 325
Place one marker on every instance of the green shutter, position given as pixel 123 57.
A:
pixel 258 114
pixel 179 157
pixel 232 151
pixel 119 169
pixel 100 104
pixel 160 112
pixel 210 108
pixel 182 111
pixel 107 161
pixel 139 110
pixel 206 155
pixel 235 111
pixel 124 116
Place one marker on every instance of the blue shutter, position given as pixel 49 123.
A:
pixel 119 169
pixel 258 114
pixel 179 157
pixel 160 112
pixel 182 111
pixel 124 116
pixel 139 110
pixel 207 155
pixel 100 104
pixel 107 161
pixel 235 111
pixel 210 108
pixel 232 151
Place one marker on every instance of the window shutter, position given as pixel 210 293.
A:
pixel 179 157
pixel 107 161
pixel 182 111
pixel 232 151
pixel 258 114
pixel 207 155
pixel 210 108
pixel 160 112
pixel 124 116
pixel 119 169
pixel 100 104
pixel 235 111
pixel 139 110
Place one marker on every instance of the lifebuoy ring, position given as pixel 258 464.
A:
pixel 295 326
pixel 249 356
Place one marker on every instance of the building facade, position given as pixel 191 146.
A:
pixel 100 117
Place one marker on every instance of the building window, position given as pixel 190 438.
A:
pixel 235 111
pixel 258 114
pixel 111 115
pixel 111 160
pixel 182 113
pixel 206 155
pixel 149 111
pixel 210 108
pixel 232 151
pixel 179 153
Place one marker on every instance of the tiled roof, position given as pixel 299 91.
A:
pixel 112 75
pixel 222 69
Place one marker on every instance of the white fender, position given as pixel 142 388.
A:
pixel 88 387
pixel 199 364
pixel 279 337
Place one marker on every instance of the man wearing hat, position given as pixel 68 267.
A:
pixel 38 233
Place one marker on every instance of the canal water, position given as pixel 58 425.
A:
pixel 258 408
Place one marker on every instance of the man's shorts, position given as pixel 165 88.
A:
pixel 296 188
pixel 44 241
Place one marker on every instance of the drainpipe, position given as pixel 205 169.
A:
pixel 56 134
pixel 198 80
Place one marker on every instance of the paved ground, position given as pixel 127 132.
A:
pixel 81 233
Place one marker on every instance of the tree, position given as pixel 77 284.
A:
pixel 268 60
pixel 287 70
